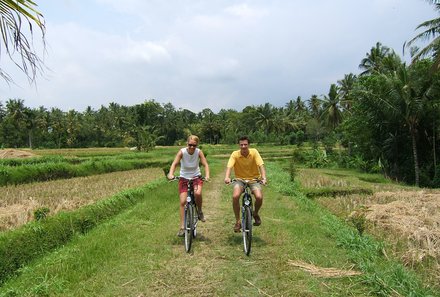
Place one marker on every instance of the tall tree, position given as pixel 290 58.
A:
pixel 431 31
pixel 380 59
pixel 14 39
pixel 266 117
pixel 408 99
pixel 345 90
pixel 315 106
pixel 15 126
pixel 331 112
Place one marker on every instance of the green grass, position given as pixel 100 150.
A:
pixel 137 252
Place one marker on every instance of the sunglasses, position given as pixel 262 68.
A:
pixel 192 145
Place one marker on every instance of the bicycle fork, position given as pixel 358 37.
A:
pixel 247 204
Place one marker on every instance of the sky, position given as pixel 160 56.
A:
pixel 197 54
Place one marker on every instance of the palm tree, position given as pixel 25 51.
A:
pixel 432 30
pixel 380 59
pixel 15 41
pixel 331 113
pixel 407 99
pixel 346 86
pixel 266 117
pixel 315 106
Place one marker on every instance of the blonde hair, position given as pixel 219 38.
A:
pixel 193 137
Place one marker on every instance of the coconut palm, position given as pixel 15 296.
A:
pixel 331 109
pixel 315 106
pixel 346 86
pixel 14 40
pixel 407 98
pixel 373 60
pixel 431 31
pixel 266 117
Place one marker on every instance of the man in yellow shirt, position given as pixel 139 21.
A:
pixel 248 165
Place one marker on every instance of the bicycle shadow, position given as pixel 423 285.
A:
pixel 199 238
pixel 237 239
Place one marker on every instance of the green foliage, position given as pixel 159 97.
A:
pixel 65 168
pixel 41 213
pixel 292 170
pixel 358 220
pixel 335 192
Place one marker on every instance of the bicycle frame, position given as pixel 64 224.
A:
pixel 246 219
pixel 191 216
pixel 246 214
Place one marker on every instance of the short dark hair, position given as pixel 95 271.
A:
pixel 244 137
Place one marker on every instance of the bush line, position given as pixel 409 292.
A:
pixel 27 243
pixel 332 192
pixel 59 170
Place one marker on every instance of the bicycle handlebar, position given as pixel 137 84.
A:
pixel 192 178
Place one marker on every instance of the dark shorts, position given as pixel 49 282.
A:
pixel 183 184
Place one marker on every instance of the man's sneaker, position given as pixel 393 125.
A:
pixel 181 233
pixel 237 227
pixel 201 217
pixel 257 220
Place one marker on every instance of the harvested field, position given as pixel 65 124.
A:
pixel 408 217
pixel 414 215
pixel 19 202
pixel 12 153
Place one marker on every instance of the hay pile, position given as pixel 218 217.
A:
pixel 12 153
pixel 323 272
pixel 414 215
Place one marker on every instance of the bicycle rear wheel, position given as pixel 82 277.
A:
pixel 189 227
pixel 247 230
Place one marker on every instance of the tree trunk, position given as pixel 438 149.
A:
pixel 434 148
pixel 416 158
pixel 30 139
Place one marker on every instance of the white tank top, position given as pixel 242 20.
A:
pixel 189 164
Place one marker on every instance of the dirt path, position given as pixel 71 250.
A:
pixel 207 252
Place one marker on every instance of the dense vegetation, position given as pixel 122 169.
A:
pixel 385 118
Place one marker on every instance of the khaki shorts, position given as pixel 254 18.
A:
pixel 254 186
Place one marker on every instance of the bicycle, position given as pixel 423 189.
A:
pixel 246 215
pixel 191 214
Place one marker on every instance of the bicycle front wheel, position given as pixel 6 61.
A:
pixel 247 230
pixel 189 227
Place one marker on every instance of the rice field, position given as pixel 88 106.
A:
pixel 408 217
pixel 19 202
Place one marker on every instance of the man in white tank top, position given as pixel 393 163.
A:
pixel 189 158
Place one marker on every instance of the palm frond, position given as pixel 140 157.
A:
pixel 12 14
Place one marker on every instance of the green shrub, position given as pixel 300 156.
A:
pixel 41 213
pixel 292 170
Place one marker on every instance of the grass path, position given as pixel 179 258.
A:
pixel 138 254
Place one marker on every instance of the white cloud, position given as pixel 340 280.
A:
pixel 244 11
pixel 198 53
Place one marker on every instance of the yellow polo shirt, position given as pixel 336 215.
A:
pixel 246 167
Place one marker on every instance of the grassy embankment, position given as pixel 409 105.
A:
pixel 76 163
pixel 137 253
pixel 405 217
